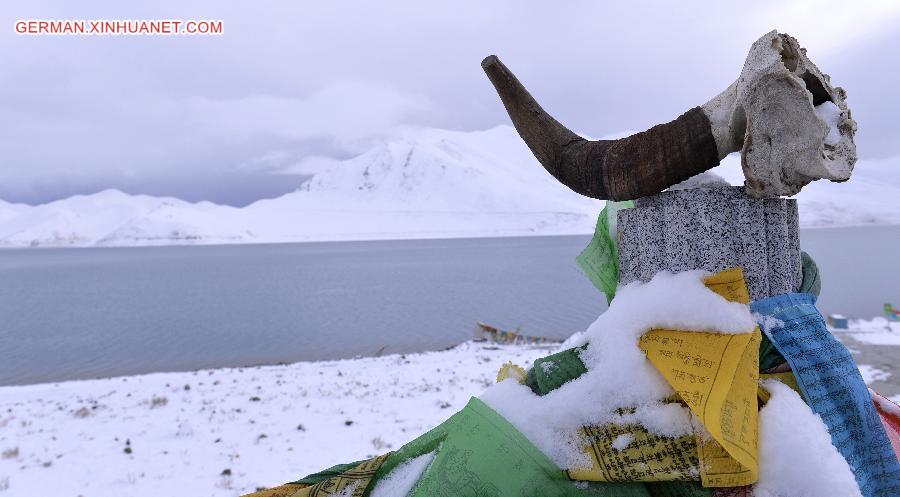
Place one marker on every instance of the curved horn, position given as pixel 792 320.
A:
pixel 624 169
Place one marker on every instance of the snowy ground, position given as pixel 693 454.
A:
pixel 228 431
pixel 875 345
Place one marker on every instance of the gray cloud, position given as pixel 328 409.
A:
pixel 245 115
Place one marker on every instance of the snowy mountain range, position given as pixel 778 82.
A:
pixel 428 184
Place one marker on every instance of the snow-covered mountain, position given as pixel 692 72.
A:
pixel 429 184
pixel 106 218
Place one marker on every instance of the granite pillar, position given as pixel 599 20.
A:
pixel 713 228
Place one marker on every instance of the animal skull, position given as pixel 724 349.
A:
pixel 775 114
pixel 770 115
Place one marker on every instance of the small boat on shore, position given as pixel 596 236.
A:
pixel 488 332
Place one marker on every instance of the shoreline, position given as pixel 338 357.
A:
pixel 853 338
pixel 261 365
pixel 399 237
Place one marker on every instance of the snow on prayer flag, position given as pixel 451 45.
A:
pixel 835 390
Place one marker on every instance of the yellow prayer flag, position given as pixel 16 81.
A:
pixel 510 370
pixel 787 378
pixel 645 457
pixel 716 375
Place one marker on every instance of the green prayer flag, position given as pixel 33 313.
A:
pixel 551 372
pixel 478 452
pixel 769 356
pixel 483 454
pixel 812 281
pixel 326 473
pixel 600 259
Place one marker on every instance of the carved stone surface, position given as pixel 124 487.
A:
pixel 713 228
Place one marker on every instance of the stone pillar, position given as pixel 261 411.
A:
pixel 713 228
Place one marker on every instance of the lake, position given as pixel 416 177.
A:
pixel 93 312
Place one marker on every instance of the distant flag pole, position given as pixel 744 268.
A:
pixel 891 312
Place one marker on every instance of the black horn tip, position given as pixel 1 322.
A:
pixel 504 80
pixel 490 60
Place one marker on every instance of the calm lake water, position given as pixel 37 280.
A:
pixel 82 313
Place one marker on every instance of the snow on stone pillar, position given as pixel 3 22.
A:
pixel 712 228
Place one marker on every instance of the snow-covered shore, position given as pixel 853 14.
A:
pixel 225 432
pixel 876 331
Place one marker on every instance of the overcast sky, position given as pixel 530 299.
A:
pixel 223 118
